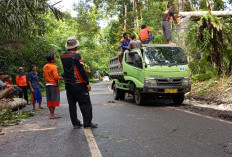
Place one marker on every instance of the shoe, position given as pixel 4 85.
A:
pixel 91 126
pixel 77 126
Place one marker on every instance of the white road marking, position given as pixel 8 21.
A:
pixel 110 88
pixel 197 114
pixel 92 143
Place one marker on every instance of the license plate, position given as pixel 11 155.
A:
pixel 171 91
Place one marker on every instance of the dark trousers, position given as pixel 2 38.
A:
pixel 23 93
pixel 78 93
pixel 166 25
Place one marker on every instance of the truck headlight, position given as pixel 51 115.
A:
pixel 186 81
pixel 150 82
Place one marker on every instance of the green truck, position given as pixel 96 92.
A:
pixel 154 71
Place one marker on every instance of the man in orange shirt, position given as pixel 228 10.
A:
pixel 146 35
pixel 21 81
pixel 52 78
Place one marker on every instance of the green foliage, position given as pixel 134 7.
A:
pixel 202 77
pixel 210 37
pixel 208 87
pixel 9 117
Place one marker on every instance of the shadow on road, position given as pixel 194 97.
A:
pixel 154 102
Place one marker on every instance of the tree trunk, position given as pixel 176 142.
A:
pixel 181 4
pixel 125 18
pixel 12 104
pixel 141 13
pixel 230 68
pixel 181 32
pixel 201 13
pixel 208 5
pixel 136 18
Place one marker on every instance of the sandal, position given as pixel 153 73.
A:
pixel 56 117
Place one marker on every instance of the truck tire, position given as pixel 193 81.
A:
pixel 178 99
pixel 118 93
pixel 138 97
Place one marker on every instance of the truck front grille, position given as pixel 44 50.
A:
pixel 169 82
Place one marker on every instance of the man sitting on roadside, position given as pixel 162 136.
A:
pixel 9 83
pixel 145 35
pixel 134 44
pixel 5 90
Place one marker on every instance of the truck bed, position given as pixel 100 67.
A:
pixel 116 71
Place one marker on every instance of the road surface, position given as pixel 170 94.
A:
pixel 125 130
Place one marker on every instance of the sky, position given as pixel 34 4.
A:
pixel 67 5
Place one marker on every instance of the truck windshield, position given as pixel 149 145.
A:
pixel 165 56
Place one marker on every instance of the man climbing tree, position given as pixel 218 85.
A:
pixel 167 25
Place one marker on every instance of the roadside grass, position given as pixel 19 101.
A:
pixel 212 89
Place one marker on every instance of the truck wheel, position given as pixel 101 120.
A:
pixel 118 93
pixel 139 97
pixel 178 99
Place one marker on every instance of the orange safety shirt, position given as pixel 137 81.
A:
pixel 50 74
pixel 144 34
pixel 21 80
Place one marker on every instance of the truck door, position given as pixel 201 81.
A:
pixel 133 67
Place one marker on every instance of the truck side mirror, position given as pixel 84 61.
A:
pixel 198 55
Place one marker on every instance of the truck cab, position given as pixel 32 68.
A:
pixel 152 71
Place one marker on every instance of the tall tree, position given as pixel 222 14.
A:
pixel 136 18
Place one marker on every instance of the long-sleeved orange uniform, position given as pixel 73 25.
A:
pixel 50 74
pixel 21 80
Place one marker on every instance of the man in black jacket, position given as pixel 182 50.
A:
pixel 77 85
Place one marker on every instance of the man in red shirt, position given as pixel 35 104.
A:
pixel 9 84
pixel 145 35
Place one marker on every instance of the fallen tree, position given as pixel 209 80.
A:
pixel 202 13
pixel 12 104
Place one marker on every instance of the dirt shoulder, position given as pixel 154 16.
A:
pixel 212 98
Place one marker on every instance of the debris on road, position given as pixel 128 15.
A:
pixel 175 128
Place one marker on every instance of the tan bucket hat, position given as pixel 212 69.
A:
pixel 71 43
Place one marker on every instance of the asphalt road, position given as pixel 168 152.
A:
pixel 125 130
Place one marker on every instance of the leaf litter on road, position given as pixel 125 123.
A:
pixel 175 128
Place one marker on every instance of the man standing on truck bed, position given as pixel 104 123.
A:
pixel 124 44
pixel 77 85
pixel 167 25
pixel 145 35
